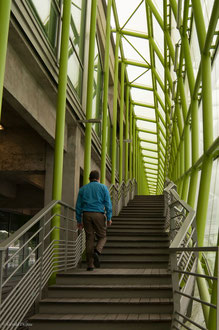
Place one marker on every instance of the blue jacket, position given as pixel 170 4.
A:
pixel 93 197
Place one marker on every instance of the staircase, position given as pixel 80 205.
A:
pixel 131 290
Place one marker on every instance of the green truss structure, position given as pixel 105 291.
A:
pixel 162 101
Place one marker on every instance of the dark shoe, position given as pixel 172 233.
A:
pixel 96 260
pixel 90 269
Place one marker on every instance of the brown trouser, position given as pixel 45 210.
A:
pixel 94 223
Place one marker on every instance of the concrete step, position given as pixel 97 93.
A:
pixel 123 305
pixel 110 291
pixel 116 241
pixel 133 256
pixel 138 235
pixel 138 227
pixel 141 215
pixel 112 277
pixel 136 230
pixel 103 321
pixel 127 249
pixel 138 222
pixel 132 263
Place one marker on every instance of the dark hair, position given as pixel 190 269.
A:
pixel 94 175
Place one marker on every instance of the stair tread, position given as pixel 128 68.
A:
pixel 130 300
pixel 108 286
pixel 118 272
pixel 102 317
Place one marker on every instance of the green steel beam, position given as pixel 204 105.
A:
pixel 142 148
pixel 160 22
pixel 145 131
pixel 148 141
pixel 127 133
pixel 121 123
pixel 5 10
pixel 131 144
pixel 136 63
pixel 150 106
pixel 145 119
pixel 146 88
pixel 132 33
pixel 115 94
pixel 105 94
pixel 90 81
pixel 60 125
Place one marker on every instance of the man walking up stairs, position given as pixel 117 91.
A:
pixel 131 290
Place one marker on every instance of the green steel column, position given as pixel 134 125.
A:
pixel 131 144
pixel 115 94
pixel 207 124
pixel 134 147
pixel 90 81
pixel 204 190
pixel 121 123
pixel 127 135
pixel 5 9
pixel 187 161
pixel 105 94
pixel 195 152
pixel 60 120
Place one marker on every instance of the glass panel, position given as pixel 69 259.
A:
pixel 206 6
pixel 149 153
pixel 159 67
pixel 74 71
pixel 138 20
pixel 150 160
pixel 195 53
pixel 47 15
pixel 144 77
pixel 160 92
pixel 147 136
pixel 158 34
pixel 149 145
pixel 143 96
pixel 146 125
pixel 131 44
pixel 161 111
pixel 144 112
pixel 78 11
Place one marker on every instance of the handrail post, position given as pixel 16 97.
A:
pixel 175 283
pixel 41 249
pixel 66 237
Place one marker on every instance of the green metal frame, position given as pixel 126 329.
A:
pixel 5 10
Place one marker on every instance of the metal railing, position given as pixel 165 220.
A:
pixel 185 255
pixel 29 258
pixel 120 195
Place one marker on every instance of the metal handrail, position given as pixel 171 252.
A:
pixel 38 258
pixel 121 194
pixel 48 257
pixel 184 256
